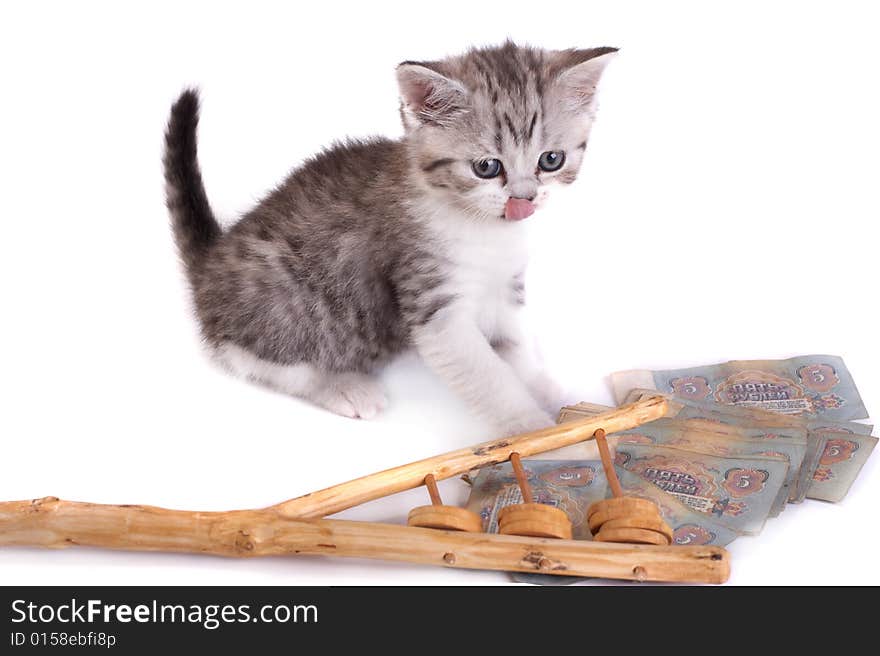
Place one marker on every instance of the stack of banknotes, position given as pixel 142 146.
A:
pixel 740 441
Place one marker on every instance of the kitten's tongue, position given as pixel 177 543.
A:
pixel 517 209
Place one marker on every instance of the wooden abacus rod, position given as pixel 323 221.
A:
pixel 530 518
pixel 51 522
pixel 406 477
pixel 433 492
pixel 521 479
pixel 608 463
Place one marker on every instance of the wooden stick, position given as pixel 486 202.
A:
pixel 433 492
pixel 521 479
pixel 50 522
pixel 608 464
pixel 406 477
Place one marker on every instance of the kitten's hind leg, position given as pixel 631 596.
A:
pixel 350 394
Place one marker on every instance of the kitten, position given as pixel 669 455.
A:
pixel 379 245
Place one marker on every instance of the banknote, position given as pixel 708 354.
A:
pixel 841 452
pixel 572 485
pixel 681 408
pixel 813 386
pixel 689 527
pixel 712 431
pixel 737 491
pixel 727 444
pixel 836 451
pixel 711 437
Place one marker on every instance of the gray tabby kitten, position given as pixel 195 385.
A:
pixel 375 246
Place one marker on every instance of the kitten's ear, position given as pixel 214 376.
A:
pixel 580 73
pixel 429 96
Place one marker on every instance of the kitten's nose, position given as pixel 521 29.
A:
pixel 517 209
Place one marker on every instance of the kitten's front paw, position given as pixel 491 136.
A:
pixel 525 424
pixel 352 395
pixel 547 393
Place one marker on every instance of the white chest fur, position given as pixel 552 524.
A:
pixel 484 260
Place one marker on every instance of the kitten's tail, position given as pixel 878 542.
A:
pixel 195 228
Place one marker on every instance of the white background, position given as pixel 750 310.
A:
pixel 727 209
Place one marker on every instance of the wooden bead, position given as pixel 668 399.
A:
pixel 534 520
pixel 655 524
pixel 620 508
pixel 630 535
pixel 447 518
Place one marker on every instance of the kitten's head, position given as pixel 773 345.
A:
pixel 490 131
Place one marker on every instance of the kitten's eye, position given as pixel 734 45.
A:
pixel 487 168
pixel 552 160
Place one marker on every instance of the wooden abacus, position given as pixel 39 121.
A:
pixel 295 527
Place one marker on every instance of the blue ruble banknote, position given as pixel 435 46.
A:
pixel 811 386
pixel 836 451
pixel 689 527
pixel 736 491
pixel 710 436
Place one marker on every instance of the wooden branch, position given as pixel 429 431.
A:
pixel 50 522
pixel 406 477
pixel 293 527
